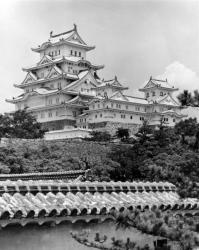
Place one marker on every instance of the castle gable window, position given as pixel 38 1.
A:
pixel 137 108
pixel 161 93
pixel 153 93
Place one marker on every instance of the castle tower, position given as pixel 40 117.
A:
pixel 57 88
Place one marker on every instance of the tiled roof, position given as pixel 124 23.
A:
pixel 136 100
pixel 19 178
pixel 33 199
pixel 157 83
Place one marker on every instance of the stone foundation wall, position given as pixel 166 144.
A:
pixel 112 127
pixel 57 125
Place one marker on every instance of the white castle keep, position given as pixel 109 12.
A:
pixel 64 90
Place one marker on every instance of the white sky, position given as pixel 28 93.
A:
pixel 134 39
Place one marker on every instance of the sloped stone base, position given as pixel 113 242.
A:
pixel 112 127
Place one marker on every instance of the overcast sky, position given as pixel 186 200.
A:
pixel 133 39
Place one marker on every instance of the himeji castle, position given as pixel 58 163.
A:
pixel 64 90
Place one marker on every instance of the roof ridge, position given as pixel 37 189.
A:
pixel 158 80
pixel 63 33
pixel 135 97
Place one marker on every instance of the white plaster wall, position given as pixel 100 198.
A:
pixel 65 50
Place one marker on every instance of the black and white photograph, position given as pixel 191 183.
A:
pixel 99 125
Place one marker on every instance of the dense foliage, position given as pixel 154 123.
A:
pixel 20 124
pixel 186 98
pixel 56 156
pixel 162 154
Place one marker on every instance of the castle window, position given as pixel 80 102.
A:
pixel 137 108
pixel 55 52
pixel 75 53
pixel 50 114
pixel 111 105
pixel 59 51
pixel 118 106
pixel 98 105
pixel 131 117
pixel 95 116
pixel 153 93
pixel 147 94
pixel 100 115
pixel 59 85
pixel 174 120
pixel 71 52
pixel 127 107
pixel 141 118
pixel 50 101
pixel 161 93
pixel 79 54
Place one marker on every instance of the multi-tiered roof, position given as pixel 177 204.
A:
pixel 35 84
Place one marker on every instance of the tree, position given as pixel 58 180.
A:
pixel 100 136
pixel 122 133
pixel 20 124
pixel 188 127
pixel 185 98
pixel 145 131
pixel 196 98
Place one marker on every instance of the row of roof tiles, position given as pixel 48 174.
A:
pixel 56 186
pixel 40 205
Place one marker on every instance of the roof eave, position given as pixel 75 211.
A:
pixel 146 89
